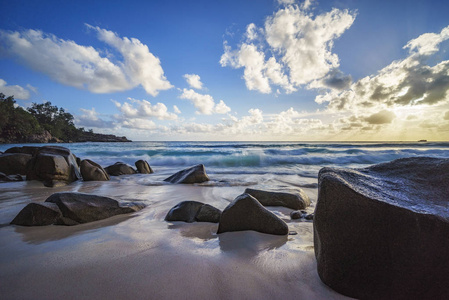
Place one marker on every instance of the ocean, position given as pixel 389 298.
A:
pixel 303 159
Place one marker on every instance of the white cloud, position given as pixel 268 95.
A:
pixel 286 1
pixel 14 90
pixel 90 118
pixel 176 109
pixel 139 124
pixel 194 81
pixel 84 67
pixel 301 45
pixel 204 103
pixel 144 109
pixel 406 82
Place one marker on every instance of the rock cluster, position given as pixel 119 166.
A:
pixel 55 166
pixel 382 232
pixel 72 209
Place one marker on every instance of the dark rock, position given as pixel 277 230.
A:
pixel 309 217
pixel 84 208
pixel 91 171
pixel 383 232
pixel 291 198
pixel 208 213
pixel 31 150
pixel 246 213
pixel 196 174
pixel 120 168
pixel 191 211
pixel 4 177
pixel 14 163
pixel 38 214
pixel 44 137
pixel 296 214
pixel 54 166
pixel 143 167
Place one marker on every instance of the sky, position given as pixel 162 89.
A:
pixel 246 70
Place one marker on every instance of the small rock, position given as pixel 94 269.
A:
pixel 196 174
pixel 91 171
pixel 309 217
pixel 143 167
pixel 292 198
pixel 292 232
pixel 246 213
pixel 296 214
pixel 120 168
pixel 191 211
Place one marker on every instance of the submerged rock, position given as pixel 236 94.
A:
pixel 246 213
pixel 196 174
pixel 291 198
pixel 120 168
pixel 91 171
pixel 382 232
pixel 143 167
pixel 191 211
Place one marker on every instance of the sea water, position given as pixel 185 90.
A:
pixel 238 158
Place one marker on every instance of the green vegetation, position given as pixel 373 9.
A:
pixel 42 123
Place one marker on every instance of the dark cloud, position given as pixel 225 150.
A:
pixel 337 80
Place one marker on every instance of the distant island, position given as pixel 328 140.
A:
pixel 43 123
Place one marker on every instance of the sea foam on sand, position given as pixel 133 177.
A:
pixel 140 256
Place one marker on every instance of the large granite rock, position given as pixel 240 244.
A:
pixel 246 213
pixel 120 168
pixel 143 167
pixel 14 163
pixel 291 198
pixel 72 209
pixel 91 171
pixel 195 174
pixel 54 166
pixel 383 232
pixel 191 211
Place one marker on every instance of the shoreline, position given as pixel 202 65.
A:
pixel 141 255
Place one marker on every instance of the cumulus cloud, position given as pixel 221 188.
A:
pixel 194 81
pixel 15 90
pixel 144 109
pixel 407 82
pixel 301 45
pixel 84 67
pixel 204 103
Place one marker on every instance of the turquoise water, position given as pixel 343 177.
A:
pixel 281 158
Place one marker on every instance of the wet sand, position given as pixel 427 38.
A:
pixel 140 256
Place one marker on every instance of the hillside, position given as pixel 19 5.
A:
pixel 43 123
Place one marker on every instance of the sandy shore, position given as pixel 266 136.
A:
pixel 141 256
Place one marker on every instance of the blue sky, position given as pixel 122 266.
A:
pixel 234 70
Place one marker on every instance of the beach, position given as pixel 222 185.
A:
pixel 141 256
